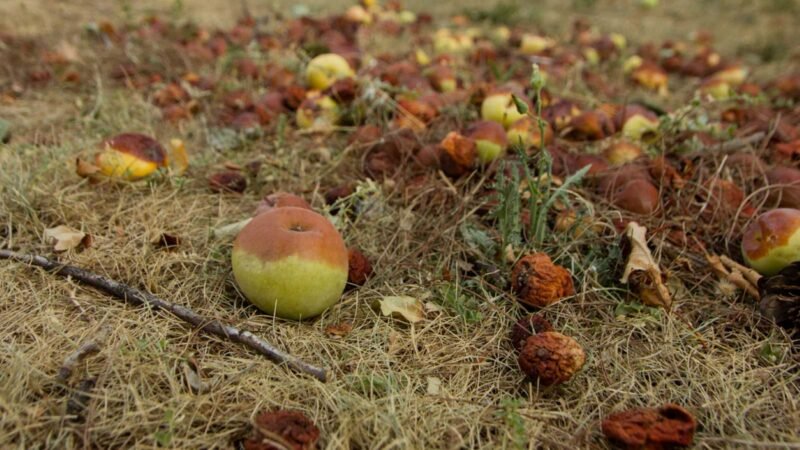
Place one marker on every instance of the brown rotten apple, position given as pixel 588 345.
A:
pixel 551 357
pixel 290 262
pixel 772 242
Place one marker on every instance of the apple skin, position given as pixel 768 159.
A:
pixel 490 140
pixel 640 128
pixel 772 241
pixel 500 108
pixel 130 156
pixel 323 70
pixel 290 262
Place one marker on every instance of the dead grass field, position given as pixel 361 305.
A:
pixel 712 355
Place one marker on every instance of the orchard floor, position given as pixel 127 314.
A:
pixel 449 381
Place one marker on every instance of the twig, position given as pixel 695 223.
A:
pixel 87 348
pixel 736 144
pixel 137 297
pixel 751 275
pixel 733 274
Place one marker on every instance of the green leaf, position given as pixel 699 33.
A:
pixel 5 131
pixel 478 239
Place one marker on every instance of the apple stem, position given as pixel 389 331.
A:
pixel 138 297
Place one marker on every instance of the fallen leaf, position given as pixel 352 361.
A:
pixel 66 237
pixel 338 330
pixel 85 169
pixel 178 156
pixel 434 386
pixel 166 240
pixel 407 308
pixel 641 270
pixel 68 51
pixel 193 379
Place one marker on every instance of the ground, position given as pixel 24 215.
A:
pixel 448 381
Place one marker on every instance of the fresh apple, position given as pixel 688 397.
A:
pixel 490 140
pixel 130 156
pixel 325 69
pixel 772 241
pixel 290 262
pixel 500 108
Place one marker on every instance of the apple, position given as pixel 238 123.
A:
pixel 324 69
pixel 290 262
pixel 130 156
pixel 525 133
pixel 500 108
pixel 639 127
pixel 772 241
pixel 317 112
pixel 734 75
pixel 651 76
pixel 490 140
pixel 622 152
pixel 532 44
pixel 717 89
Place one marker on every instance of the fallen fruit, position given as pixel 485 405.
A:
pixel 290 262
pixel 317 112
pixel 490 140
pixel 527 327
pixel 538 282
pixel 772 241
pixel 228 181
pixel 649 428
pixel 359 267
pixel 551 358
pixel 501 108
pixel 324 69
pixel 130 156
pixel 290 430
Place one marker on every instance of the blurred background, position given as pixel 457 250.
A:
pixel 759 32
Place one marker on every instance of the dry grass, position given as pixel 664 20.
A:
pixel 712 356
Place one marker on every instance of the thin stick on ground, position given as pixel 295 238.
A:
pixel 87 348
pixel 137 297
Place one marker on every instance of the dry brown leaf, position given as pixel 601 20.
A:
pixel 66 237
pixel 178 156
pixel 338 330
pixel 193 379
pixel 642 271
pixel 85 169
pixel 434 386
pixel 407 308
pixel 68 51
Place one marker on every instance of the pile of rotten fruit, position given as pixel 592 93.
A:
pixel 468 102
